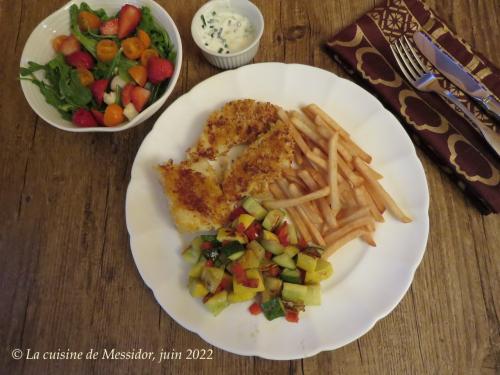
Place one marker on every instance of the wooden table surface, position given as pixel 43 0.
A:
pixel 68 280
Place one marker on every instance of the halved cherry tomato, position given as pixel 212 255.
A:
pixel 144 37
pixel 206 245
pixel 88 21
pixel 282 234
pixel 139 74
pixel 106 50
pixel 132 48
pixel 253 231
pixel 255 309
pixel 236 212
pixel 292 316
pixel 147 54
pixel 58 41
pixel 113 115
pixel 86 76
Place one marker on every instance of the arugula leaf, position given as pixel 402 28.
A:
pixel 123 66
pixel 159 37
pixel 73 91
pixel 89 43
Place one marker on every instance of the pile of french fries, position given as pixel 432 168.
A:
pixel 331 193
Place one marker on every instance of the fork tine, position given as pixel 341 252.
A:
pixel 400 63
pixel 411 56
pixel 419 61
pixel 404 58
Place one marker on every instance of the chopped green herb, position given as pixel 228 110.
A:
pixel 203 20
pixel 220 50
pixel 213 13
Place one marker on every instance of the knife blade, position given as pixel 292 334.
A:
pixel 454 71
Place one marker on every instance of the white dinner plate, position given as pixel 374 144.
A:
pixel 368 282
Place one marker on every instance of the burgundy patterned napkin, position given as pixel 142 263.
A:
pixel 363 50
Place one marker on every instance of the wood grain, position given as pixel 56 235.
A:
pixel 67 276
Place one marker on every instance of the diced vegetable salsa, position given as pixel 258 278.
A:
pixel 257 258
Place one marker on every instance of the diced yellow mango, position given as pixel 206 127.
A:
pixel 197 289
pixel 306 262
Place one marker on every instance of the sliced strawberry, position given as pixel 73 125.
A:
pixel 83 118
pixel 109 27
pixel 99 116
pixel 70 45
pixel 126 93
pixel 98 88
pixel 81 59
pixel 129 17
pixel 159 69
pixel 139 97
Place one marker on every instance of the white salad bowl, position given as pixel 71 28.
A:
pixel 236 59
pixel 38 49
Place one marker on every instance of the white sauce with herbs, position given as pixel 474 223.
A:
pixel 224 31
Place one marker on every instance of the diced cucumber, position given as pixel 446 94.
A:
pixel 273 285
pixel 231 248
pixel 272 246
pixel 270 236
pixel 249 260
pixel 211 277
pixel 292 234
pixel 196 269
pixel 273 219
pixel 245 220
pixel 322 272
pixel 306 262
pixel 190 255
pixel 217 303
pixel 226 234
pixel 291 251
pixel 313 295
pixel 240 297
pixel 285 261
pixel 291 276
pixel 257 249
pixel 273 309
pixel 236 256
pixel 294 292
pixel 196 288
pixel 254 208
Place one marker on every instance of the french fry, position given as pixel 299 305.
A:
pixel 362 200
pixel 342 241
pixel 353 215
pixel 344 152
pixel 374 173
pixel 291 202
pixel 292 212
pixel 380 191
pixel 348 173
pixel 341 231
pixel 358 151
pixel 377 201
pixel 322 118
pixel 309 208
pixel 310 226
pixel 332 173
pixel 317 160
pixel 323 205
pixel 308 132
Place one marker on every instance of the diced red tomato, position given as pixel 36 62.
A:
pixel 225 283
pixel 302 243
pixel 255 309
pixel 209 263
pixel 206 245
pixel 253 231
pixel 251 283
pixel 282 234
pixel 207 297
pixel 292 316
pixel 236 212
pixel 238 272
pixel 240 228
pixel 268 255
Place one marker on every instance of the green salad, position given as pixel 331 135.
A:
pixel 258 257
pixel 109 69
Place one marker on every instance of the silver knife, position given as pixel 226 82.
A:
pixel 454 71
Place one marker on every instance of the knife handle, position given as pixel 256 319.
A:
pixel 491 106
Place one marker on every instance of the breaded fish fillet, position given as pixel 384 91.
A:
pixel 261 163
pixel 197 201
pixel 237 122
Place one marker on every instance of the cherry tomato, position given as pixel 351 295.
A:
pixel 132 48
pixel 113 115
pixel 86 76
pixel 58 41
pixel 147 54
pixel 106 50
pixel 139 74
pixel 88 21
pixel 144 38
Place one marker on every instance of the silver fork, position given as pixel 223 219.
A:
pixel 423 79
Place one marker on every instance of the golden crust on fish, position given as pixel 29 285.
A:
pixel 196 199
pixel 261 163
pixel 237 122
